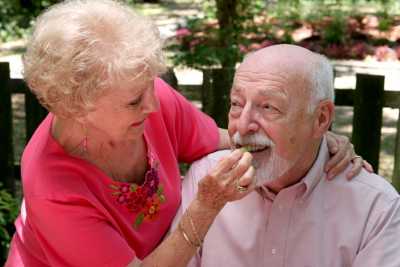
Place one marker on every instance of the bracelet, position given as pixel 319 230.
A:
pixel 196 234
pixel 185 236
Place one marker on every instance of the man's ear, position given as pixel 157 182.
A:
pixel 324 114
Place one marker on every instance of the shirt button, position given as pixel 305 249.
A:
pixel 273 251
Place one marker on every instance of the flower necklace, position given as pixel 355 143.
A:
pixel 145 199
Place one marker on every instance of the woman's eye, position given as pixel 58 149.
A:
pixel 135 102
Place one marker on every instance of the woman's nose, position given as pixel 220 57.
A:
pixel 150 103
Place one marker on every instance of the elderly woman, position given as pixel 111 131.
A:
pixel 100 175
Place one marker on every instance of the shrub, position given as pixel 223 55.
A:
pixel 9 208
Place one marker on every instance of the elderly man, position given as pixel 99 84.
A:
pixel 281 107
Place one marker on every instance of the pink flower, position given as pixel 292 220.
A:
pixel 182 32
pixel 384 53
pixel 243 49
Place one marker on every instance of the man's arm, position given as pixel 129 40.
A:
pixel 381 244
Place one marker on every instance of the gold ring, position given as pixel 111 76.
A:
pixel 356 157
pixel 241 188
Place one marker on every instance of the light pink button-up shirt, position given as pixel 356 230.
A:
pixel 314 223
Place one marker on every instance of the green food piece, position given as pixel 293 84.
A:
pixel 246 148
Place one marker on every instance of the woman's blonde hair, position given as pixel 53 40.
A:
pixel 79 48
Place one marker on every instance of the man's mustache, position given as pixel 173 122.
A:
pixel 254 139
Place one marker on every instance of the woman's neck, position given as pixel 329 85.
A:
pixel 120 160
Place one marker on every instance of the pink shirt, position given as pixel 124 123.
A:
pixel 75 215
pixel 314 223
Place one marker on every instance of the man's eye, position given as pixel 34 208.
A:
pixel 269 107
pixel 234 104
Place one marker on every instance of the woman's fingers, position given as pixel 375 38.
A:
pixel 247 178
pixel 357 165
pixel 368 166
pixel 241 167
pixel 222 183
pixel 336 159
pixel 332 142
pixel 227 163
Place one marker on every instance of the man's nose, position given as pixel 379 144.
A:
pixel 247 123
pixel 150 103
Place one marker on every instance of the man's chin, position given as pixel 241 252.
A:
pixel 269 167
pixel 261 158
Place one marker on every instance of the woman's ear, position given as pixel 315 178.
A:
pixel 324 115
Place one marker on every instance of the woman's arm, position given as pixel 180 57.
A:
pixel 224 140
pixel 215 190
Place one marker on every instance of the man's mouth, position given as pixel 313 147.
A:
pixel 253 148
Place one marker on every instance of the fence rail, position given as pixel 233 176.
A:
pixel 368 99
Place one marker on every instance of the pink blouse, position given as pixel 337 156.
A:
pixel 75 215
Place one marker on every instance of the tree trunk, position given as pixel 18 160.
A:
pixel 227 15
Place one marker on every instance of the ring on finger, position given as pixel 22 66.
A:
pixel 356 157
pixel 239 187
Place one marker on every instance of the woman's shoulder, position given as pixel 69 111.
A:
pixel 165 93
pixel 55 177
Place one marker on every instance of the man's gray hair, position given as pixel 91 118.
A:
pixel 322 81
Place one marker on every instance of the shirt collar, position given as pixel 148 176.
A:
pixel 316 172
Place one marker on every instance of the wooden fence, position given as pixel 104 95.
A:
pixel 368 100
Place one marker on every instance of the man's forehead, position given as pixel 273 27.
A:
pixel 260 91
pixel 265 83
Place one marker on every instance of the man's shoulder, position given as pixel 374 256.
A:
pixel 201 167
pixel 376 184
pixel 211 159
pixel 368 183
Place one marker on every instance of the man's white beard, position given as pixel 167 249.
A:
pixel 268 164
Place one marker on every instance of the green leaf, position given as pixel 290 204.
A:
pixel 133 187
pixel 138 220
pixel 113 186
pixel 160 190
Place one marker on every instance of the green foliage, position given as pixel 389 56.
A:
pixel 333 25
pixel 16 18
pixel 335 30
pixel 9 208
pixel 209 45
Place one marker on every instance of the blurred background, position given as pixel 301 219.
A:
pixel 204 42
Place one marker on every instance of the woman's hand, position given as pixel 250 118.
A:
pixel 231 179
pixel 342 152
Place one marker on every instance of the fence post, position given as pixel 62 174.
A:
pixel 206 90
pixel 396 169
pixel 367 119
pixel 34 113
pixel 6 130
pixel 215 94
